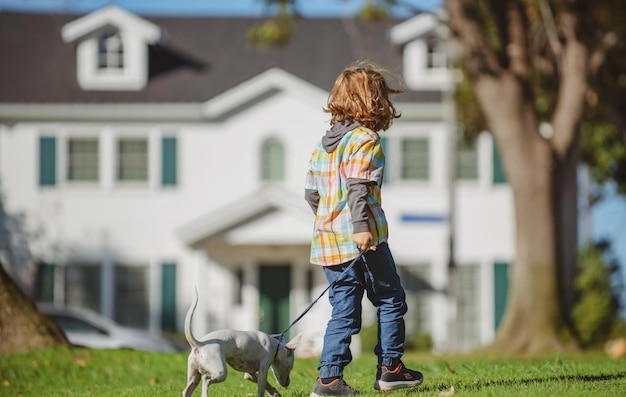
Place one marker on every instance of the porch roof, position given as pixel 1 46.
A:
pixel 270 215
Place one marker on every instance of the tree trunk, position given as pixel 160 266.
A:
pixel 566 207
pixel 533 320
pixel 22 326
pixel 501 73
pixel 533 316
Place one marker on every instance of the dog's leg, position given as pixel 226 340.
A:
pixel 193 379
pixel 214 369
pixel 270 389
pixel 206 379
pixel 262 381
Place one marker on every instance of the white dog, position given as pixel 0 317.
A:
pixel 251 352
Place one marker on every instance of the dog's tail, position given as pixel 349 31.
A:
pixel 193 342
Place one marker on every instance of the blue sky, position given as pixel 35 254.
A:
pixel 608 216
pixel 311 8
pixel 608 222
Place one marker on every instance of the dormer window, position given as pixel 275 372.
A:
pixel 424 41
pixel 110 51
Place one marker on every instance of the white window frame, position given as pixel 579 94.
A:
pixel 426 162
pixel 467 341
pixel 417 56
pixel 146 270
pixel 424 299
pixel 133 76
pixel 108 156
pixel 434 133
pixel 118 158
pixel 68 163
pixel 475 149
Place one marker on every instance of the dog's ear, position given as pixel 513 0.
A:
pixel 294 342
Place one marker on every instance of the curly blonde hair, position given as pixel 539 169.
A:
pixel 361 94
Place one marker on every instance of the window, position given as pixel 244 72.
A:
pixel 133 160
pixel 44 282
pixel 83 160
pixel 416 282
pixel 82 286
pixel 466 160
pixel 415 159
pixel 436 58
pixel 468 310
pixel 131 296
pixel 110 51
pixel 272 160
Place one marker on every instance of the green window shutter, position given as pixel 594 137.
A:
pixel 500 290
pixel 498 170
pixel 47 161
pixel 168 161
pixel 168 297
pixel 383 144
pixel 44 283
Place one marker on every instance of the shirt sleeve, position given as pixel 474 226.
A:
pixel 364 168
pixel 366 161
pixel 358 191
pixel 313 198
pixel 311 193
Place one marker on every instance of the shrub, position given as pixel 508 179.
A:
pixel 418 342
pixel 596 311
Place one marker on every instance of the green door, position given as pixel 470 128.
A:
pixel 274 287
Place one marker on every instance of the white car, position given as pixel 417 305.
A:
pixel 86 328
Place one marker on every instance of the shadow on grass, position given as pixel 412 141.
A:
pixel 463 385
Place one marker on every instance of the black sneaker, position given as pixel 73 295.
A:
pixel 338 387
pixel 398 378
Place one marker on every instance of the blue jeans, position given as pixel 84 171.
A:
pixel 379 278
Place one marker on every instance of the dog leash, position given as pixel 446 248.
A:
pixel 281 336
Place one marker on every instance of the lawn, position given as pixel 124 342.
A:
pixel 119 373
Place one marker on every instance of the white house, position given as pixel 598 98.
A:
pixel 152 155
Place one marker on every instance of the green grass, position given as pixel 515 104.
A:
pixel 83 372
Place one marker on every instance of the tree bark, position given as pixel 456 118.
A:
pixel 533 321
pixel 22 326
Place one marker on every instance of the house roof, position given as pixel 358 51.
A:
pixel 268 215
pixel 418 26
pixel 111 15
pixel 265 84
pixel 199 59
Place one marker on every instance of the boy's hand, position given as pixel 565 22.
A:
pixel 364 241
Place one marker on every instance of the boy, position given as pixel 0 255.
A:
pixel 343 189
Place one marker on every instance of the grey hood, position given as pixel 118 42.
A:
pixel 336 132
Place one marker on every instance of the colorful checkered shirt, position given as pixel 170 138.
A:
pixel 358 155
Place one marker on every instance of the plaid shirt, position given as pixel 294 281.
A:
pixel 358 155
